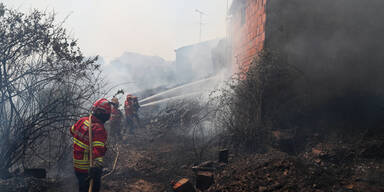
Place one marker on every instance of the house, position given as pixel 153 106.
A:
pixel 247 31
pixel 336 47
pixel 194 61
pixel 326 33
pixel 337 44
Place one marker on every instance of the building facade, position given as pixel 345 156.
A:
pixel 329 39
pixel 247 29
pixel 335 45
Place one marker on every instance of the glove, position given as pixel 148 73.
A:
pixel 94 172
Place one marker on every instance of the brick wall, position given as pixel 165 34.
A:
pixel 336 46
pixel 247 32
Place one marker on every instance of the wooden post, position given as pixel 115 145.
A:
pixel 90 150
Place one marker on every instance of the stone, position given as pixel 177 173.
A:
pixel 204 179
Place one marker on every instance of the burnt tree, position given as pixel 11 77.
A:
pixel 44 82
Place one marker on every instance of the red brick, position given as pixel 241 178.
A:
pixel 253 35
pixel 264 18
pixel 263 36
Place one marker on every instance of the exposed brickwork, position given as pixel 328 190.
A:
pixel 248 33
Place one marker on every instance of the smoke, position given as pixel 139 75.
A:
pixel 195 62
pixel 137 73
pixel 337 44
pixel 144 72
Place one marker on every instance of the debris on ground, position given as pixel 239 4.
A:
pixel 314 170
pixel 27 184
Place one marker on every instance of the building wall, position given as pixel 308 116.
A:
pixel 247 31
pixel 336 45
pixel 338 40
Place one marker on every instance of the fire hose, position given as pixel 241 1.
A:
pixel 114 163
pixel 171 98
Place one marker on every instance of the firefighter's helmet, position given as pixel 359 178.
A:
pixel 101 109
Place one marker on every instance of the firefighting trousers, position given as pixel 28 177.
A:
pixel 83 181
pixel 115 128
pixel 130 124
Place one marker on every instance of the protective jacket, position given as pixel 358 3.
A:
pixel 131 105
pixel 115 114
pixel 80 134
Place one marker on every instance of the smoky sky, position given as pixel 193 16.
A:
pixel 150 27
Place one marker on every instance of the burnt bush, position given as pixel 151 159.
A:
pixel 274 103
pixel 45 82
pixel 189 122
pixel 269 95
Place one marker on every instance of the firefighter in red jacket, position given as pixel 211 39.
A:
pixel 101 111
pixel 115 120
pixel 131 107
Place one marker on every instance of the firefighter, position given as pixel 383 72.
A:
pixel 131 107
pixel 100 113
pixel 115 119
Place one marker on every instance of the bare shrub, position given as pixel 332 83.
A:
pixel 44 82
pixel 259 100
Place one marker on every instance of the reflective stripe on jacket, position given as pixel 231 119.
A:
pixel 80 133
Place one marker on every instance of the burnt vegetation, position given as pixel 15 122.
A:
pixel 286 129
pixel 275 114
pixel 275 96
pixel 173 138
pixel 44 82
pixel 260 100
